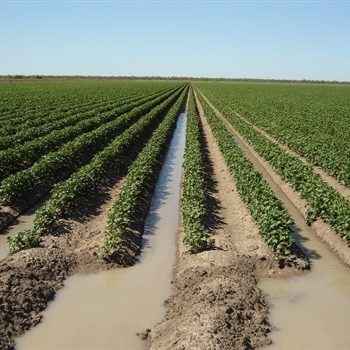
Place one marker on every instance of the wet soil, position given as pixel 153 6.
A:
pixel 216 303
pixel 29 280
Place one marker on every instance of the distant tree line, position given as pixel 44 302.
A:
pixel 89 77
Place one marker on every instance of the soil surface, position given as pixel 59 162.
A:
pixel 215 304
pixel 29 280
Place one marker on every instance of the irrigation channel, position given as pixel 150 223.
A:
pixel 312 311
pixel 107 309
pixel 23 222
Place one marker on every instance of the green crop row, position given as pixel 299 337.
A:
pixel 22 128
pixel 28 105
pixel 33 112
pixel 65 194
pixel 143 170
pixel 58 122
pixel 50 166
pixel 274 222
pixel 313 120
pixel 324 201
pixel 42 125
pixel 23 156
pixel 193 200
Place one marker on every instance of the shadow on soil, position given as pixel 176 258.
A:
pixel 214 221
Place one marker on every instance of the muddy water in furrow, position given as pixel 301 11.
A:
pixel 105 310
pixel 311 311
pixel 23 222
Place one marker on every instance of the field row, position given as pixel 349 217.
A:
pixel 125 137
pixel 71 154
pixel 313 120
pixel 323 201
pixel 25 104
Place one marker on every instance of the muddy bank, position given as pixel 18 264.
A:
pixel 216 302
pixel 28 281
pixel 216 305
pixel 7 217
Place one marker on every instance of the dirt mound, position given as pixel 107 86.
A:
pixel 29 280
pixel 216 305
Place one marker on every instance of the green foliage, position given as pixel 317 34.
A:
pixel 193 200
pixel 23 240
pixel 66 194
pixel 139 174
pixel 53 163
pixel 313 120
pixel 273 220
pixel 324 202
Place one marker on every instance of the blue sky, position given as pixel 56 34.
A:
pixel 232 39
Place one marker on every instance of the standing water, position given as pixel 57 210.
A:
pixel 107 309
pixel 23 222
pixel 311 311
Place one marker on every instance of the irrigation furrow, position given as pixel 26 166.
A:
pixel 273 220
pixel 114 307
pixel 140 175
